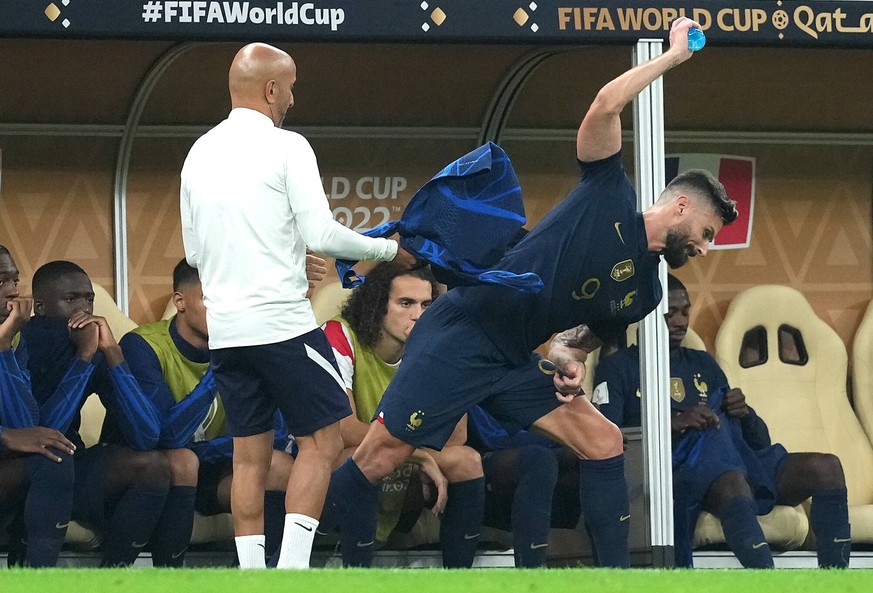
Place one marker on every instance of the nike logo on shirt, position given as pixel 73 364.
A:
pixel 618 230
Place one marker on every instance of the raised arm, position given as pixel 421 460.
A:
pixel 599 135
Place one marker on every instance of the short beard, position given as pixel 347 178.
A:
pixel 676 248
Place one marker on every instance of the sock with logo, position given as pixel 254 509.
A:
pixel 743 534
pixel 461 523
pixel 604 499
pixel 132 523
pixel 250 551
pixel 829 519
pixel 47 508
pixel 274 520
pixel 297 541
pixel 532 506
pixel 173 532
pixel 352 503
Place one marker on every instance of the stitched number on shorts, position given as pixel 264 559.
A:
pixel 345 217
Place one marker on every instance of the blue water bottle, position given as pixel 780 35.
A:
pixel 696 39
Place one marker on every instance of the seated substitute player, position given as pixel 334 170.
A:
pixel 36 467
pixel 737 479
pixel 531 485
pixel 598 260
pixel 72 353
pixel 170 360
pixel 368 340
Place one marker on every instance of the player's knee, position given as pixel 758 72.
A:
pixel 326 444
pixel 605 443
pixel 466 464
pixel 150 468
pixel 184 466
pixel 280 467
pixel 726 487
pixel 826 472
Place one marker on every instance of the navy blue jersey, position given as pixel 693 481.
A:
pixel 52 357
pixel 591 251
pixel 694 377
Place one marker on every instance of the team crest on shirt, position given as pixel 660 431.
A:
pixel 415 420
pixel 622 270
pixel 677 389
pixel 701 386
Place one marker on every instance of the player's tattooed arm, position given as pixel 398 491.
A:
pixel 579 338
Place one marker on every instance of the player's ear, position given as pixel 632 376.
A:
pixel 179 301
pixel 681 203
pixel 38 307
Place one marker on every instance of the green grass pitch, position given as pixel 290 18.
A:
pixel 586 580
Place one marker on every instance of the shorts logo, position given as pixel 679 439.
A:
pixel 415 420
pixel 622 270
pixel 587 291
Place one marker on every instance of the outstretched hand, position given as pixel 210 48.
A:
pixel 679 38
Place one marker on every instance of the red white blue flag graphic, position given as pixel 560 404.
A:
pixel 737 173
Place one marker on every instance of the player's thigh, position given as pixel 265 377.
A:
pixel 582 429
pixel 522 395
pixel 445 371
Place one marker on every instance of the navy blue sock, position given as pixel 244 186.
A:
pixel 532 506
pixel 172 534
pixel 47 508
pixel 132 523
pixel 743 534
pixel 461 523
pixel 829 519
pixel 606 505
pixel 352 504
pixel 274 520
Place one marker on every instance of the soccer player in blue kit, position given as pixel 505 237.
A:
pixel 598 259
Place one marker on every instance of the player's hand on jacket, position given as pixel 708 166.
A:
pixel 734 403
pixel 405 259
pixel 699 417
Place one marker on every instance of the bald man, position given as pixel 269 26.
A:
pixel 251 203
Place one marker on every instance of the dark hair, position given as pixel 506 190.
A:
pixel 702 182
pixel 673 283
pixel 184 275
pixel 49 273
pixel 368 304
pixel 4 250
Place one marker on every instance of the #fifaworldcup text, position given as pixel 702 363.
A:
pixel 214 11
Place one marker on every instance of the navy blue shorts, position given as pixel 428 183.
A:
pixel 209 476
pixel 449 366
pixel 89 501
pixel 300 377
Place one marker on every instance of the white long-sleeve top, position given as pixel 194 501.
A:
pixel 251 202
